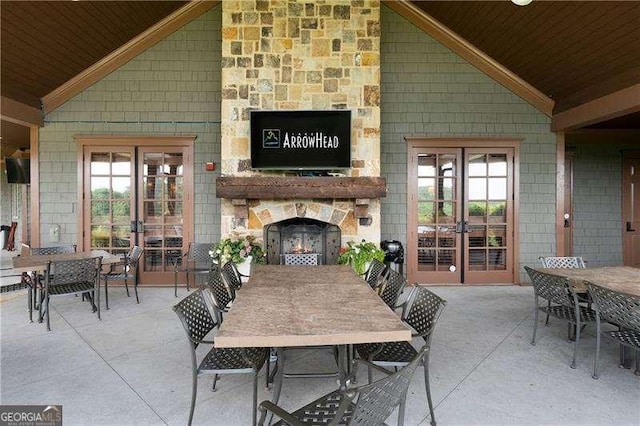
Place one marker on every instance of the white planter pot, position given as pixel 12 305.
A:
pixel 245 267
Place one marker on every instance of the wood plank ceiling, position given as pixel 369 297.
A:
pixel 573 51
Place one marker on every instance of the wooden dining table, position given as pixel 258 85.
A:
pixel 286 305
pixel 38 263
pixel 624 279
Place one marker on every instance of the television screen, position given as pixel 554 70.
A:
pixel 301 140
pixel 18 170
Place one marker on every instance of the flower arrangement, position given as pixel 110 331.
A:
pixel 360 255
pixel 236 248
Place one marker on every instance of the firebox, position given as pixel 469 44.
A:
pixel 302 241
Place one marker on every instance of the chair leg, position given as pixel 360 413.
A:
pixel 254 415
pixel 47 311
pixel 546 322
pixel 637 372
pixel 535 322
pixel 187 275
pixel 135 288
pixel 106 292
pixel 595 361
pixel 575 345
pixel 401 409
pixel 97 296
pixel 30 304
pixel 623 353
pixel 369 374
pixel 126 286
pixel 425 365
pixel 215 380
pixel 175 282
pixel 194 390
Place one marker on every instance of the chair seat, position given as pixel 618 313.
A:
pixel 225 359
pixel 568 313
pixel 71 288
pixel 321 411
pixel 627 337
pixel 392 352
pixel 121 276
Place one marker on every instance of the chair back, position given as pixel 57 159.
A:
pixel 391 286
pixel 615 307
pixel 134 255
pixel 562 262
pixel 376 402
pixel 374 272
pixel 195 316
pixel 422 310
pixel 231 276
pixel 221 294
pixel 199 255
pixel 69 272
pixel 553 288
pixel 64 249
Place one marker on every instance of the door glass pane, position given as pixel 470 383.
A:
pixel 477 165
pixel 426 188
pixel 477 188
pixel 488 196
pixel 110 201
pixel 436 231
pixel 498 211
pixel 162 208
pixel 497 165
pixel 497 188
pixel 426 213
pixel 426 165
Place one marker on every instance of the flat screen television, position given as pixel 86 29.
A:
pixel 18 170
pixel 301 140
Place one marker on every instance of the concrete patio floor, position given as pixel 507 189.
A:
pixel 133 366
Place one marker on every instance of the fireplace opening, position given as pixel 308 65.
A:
pixel 302 241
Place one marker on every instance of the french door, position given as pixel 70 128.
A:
pixel 631 209
pixel 460 214
pixel 139 195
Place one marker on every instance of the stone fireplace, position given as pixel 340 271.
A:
pixel 296 55
pixel 302 241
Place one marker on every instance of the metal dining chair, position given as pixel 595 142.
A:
pixel 222 294
pixel 569 262
pixel 37 280
pixel 62 249
pixel 562 303
pixel 196 318
pixel 369 404
pixel 421 312
pixel 64 277
pixel 196 261
pixel 126 269
pixel 390 287
pixel 231 276
pixel 621 310
pixel 375 272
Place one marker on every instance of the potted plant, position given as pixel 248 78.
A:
pixel 360 255
pixel 239 249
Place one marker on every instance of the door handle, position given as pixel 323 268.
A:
pixel 629 229
pixel 136 226
pixel 462 227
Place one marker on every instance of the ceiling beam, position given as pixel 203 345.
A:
pixel 125 53
pixel 472 54
pixel 19 113
pixel 617 104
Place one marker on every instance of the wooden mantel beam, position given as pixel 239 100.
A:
pixel 293 187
